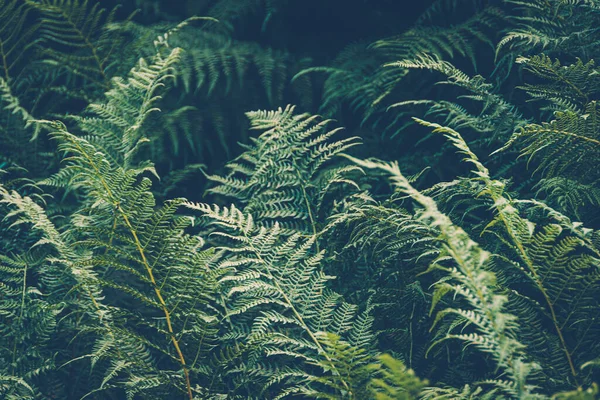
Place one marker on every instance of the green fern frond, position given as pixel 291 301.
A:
pixel 567 88
pixel 17 37
pixel 546 253
pixel 275 282
pixel 11 104
pixel 283 176
pixel 564 146
pixel 358 78
pixel 496 116
pixel 568 196
pixel 554 26
pixel 395 381
pixel 72 33
pixel 140 250
pixel 495 329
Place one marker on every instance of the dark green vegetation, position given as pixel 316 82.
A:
pixel 160 240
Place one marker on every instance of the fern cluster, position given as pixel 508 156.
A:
pixel 146 255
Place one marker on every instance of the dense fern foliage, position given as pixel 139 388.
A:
pixel 172 227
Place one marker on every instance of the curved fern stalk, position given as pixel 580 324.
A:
pixel 497 330
pixel 116 126
pixel 119 208
pixel 96 172
pixel 517 229
pixel 214 69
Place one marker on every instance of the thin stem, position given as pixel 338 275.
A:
pixel 146 264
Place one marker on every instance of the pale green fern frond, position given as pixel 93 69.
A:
pixel 284 174
pixel 559 266
pixel 495 330
pixel 275 283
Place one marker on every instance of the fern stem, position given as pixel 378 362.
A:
pixel 142 253
pixel 4 62
pixel 161 301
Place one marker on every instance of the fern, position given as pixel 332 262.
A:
pixel 496 117
pixel 572 255
pixel 555 26
pixel 16 38
pixel 569 88
pixel 71 31
pixel 283 176
pixel 42 273
pixel 396 381
pixel 217 79
pixel 328 276
pixel 566 144
pixel 568 196
pixel 276 283
pixel 358 79
pixel 127 237
pixel 495 329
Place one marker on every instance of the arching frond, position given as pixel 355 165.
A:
pixel 276 284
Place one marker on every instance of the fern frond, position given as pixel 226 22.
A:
pixel 568 196
pixel 358 78
pixel 496 330
pixel 554 26
pixel 276 282
pixel 395 381
pixel 566 88
pixel 16 37
pixel 140 249
pixel 564 146
pixel 543 251
pixel 283 175
pixel 72 32
pixel 496 116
